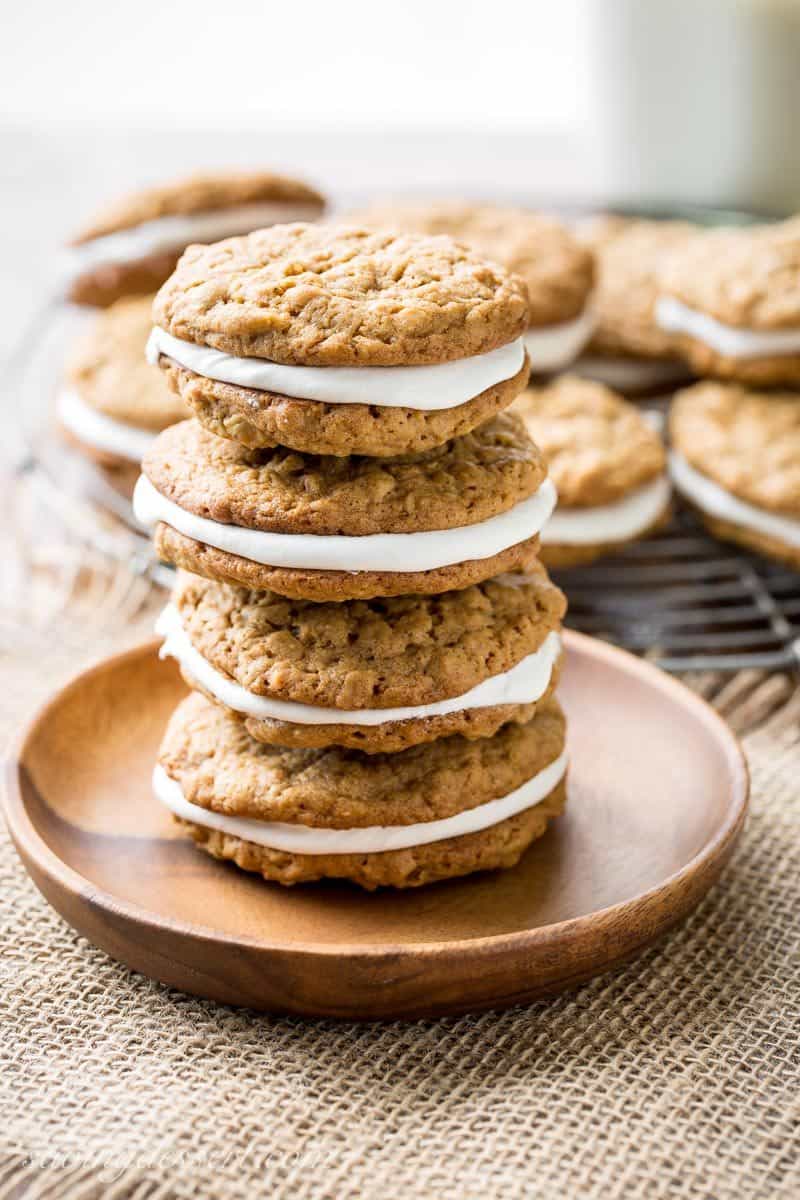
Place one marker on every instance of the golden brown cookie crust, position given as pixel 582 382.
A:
pixel 751 539
pixel 598 446
pixel 264 419
pixel 499 847
pixel 558 271
pixel 747 442
pixel 199 193
pixel 221 768
pixel 109 372
pixel 385 653
pixel 629 255
pixel 468 480
pixel 325 295
pixel 305 584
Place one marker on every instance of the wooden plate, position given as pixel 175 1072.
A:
pixel 658 794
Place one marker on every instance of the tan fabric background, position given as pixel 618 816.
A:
pixel 677 1077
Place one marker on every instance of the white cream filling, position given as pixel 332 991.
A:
pixel 630 374
pixel 676 317
pixel 552 347
pixel 372 839
pixel 426 388
pixel 609 522
pixel 391 552
pixel 523 684
pixel 718 502
pixel 177 231
pixel 101 431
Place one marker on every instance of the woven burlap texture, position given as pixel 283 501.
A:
pixel 676 1077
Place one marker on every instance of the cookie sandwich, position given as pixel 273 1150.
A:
pixel 608 464
pixel 628 350
pixel 340 341
pixel 736 458
pixel 132 246
pixel 112 403
pixel 318 527
pixel 375 676
pixel 431 812
pixel 731 300
pixel 558 271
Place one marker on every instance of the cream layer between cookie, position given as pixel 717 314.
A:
pixel 617 522
pixel 375 839
pixel 390 552
pixel 175 232
pixel 523 684
pixel 675 317
pixel 630 374
pixel 97 429
pixel 717 502
pixel 553 347
pixel 424 388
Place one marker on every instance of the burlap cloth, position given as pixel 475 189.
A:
pixel 676 1077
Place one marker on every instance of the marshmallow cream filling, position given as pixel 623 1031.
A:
pixel 175 232
pixel 372 839
pixel 554 346
pixel 676 317
pixel 426 388
pixel 719 503
pixel 523 684
pixel 101 431
pixel 392 552
pixel 609 522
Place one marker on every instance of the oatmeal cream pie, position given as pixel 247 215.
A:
pixel 375 675
pixel 736 458
pixel 431 812
pixel 731 299
pixel 558 271
pixel 113 403
pixel 329 528
pixel 131 247
pixel 628 351
pixel 608 465
pixel 340 341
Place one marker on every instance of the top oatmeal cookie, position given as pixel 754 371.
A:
pixel 322 295
pixel 558 271
pixel 747 442
pixel 200 193
pixel 598 447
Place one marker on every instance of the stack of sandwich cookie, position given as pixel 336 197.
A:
pixel 371 642
pixel 628 350
pixel 607 462
pixel 731 301
pixel 131 248
pixel 736 458
pixel 113 403
pixel 558 271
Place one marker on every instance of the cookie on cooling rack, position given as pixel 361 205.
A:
pixel 607 462
pixel 332 528
pixel 627 350
pixel 736 459
pixel 558 271
pixel 112 402
pixel 335 340
pixel 731 300
pixel 132 246
pixel 428 813
pixel 375 676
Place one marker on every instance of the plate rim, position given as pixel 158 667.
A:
pixel 37 856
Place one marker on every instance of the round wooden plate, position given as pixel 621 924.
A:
pixel 657 797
